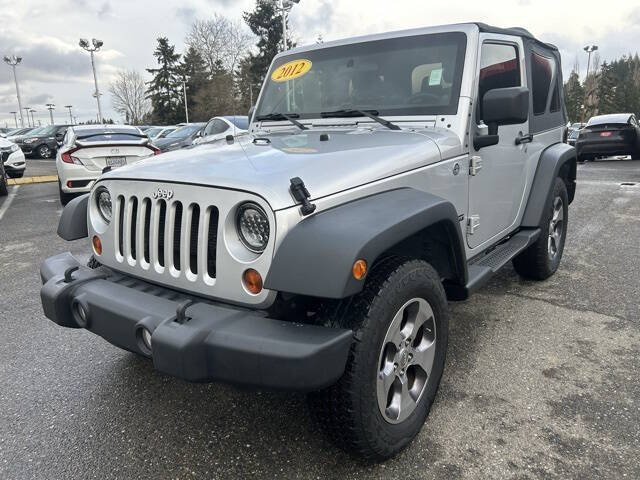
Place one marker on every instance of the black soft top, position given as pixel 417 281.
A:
pixel 515 31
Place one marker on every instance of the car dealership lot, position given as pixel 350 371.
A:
pixel 541 378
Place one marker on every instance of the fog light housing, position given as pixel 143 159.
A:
pixel 146 338
pixel 80 313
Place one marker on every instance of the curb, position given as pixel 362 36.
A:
pixel 29 180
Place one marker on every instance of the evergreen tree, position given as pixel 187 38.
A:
pixel 165 88
pixel 574 95
pixel 265 22
pixel 606 90
pixel 193 70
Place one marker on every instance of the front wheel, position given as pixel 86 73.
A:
pixel 541 260
pixel 44 151
pixel 400 323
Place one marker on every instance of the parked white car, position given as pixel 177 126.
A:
pixel 12 163
pixel 88 150
pixel 218 128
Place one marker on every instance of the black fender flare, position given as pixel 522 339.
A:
pixel 316 257
pixel 557 160
pixel 73 221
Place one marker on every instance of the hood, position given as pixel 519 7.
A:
pixel 264 164
pixel 4 143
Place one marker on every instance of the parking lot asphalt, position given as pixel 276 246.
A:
pixel 541 378
pixel 40 167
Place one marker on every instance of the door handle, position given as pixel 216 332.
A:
pixel 521 138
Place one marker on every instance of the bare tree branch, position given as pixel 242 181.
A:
pixel 220 41
pixel 129 96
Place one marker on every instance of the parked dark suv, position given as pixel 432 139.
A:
pixel 43 143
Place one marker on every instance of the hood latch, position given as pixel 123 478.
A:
pixel 302 195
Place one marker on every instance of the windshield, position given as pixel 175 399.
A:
pixel 239 122
pixel 418 75
pixel 185 131
pixel 44 131
pixel 108 134
pixel 153 131
pixel 37 131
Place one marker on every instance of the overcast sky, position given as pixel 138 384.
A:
pixel 54 69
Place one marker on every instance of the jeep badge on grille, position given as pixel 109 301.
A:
pixel 163 193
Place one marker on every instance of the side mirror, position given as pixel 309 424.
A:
pixel 251 112
pixel 59 137
pixel 502 106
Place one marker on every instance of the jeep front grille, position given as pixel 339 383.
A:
pixel 172 235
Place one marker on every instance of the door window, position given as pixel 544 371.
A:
pixel 499 68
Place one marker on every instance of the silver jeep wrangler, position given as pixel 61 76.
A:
pixel 381 177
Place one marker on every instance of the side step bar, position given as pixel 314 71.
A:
pixel 484 266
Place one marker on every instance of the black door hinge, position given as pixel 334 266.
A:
pixel 302 195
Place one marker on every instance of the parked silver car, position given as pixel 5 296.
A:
pixel 381 176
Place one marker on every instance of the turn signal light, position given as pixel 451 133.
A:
pixel 359 269
pixel 97 245
pixel 252 281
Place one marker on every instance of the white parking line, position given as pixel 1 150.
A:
pixel 8 200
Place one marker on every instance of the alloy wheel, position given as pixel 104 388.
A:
pixel 556 226
pixel 44 151
pixel 406 360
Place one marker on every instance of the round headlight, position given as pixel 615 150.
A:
pixel 103 201
pixel 253 227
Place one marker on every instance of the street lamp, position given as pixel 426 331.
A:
pixel 13 61
pixel 70 116
pixel 26 109
pixel 32 111
pixel 15 117
pixel 589 49
pixel 285 8
pixel 93 47
pixel 51 107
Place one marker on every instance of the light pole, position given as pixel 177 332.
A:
pixel 26 109
pixel 285 8
pixel 33 121
pixel 13 61
pixel 51 107
pixel 589 49
pixel 186 108
pixel 94 47
pixel 70 116
pixel 15 117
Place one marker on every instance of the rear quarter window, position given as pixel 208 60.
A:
pixel 541 75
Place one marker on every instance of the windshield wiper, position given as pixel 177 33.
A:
pixel 372 114
pixel 283 116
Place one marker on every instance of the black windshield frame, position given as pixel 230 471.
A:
pixel 457 39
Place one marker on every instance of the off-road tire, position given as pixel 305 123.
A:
pixel 535 262
pixel 348 411
pixel 4 189
pixel 64 197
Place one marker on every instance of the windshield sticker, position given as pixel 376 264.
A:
pixel 436 77
pixel 291 70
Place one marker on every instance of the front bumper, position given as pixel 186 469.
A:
pixel 14 162
pixel 214 342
